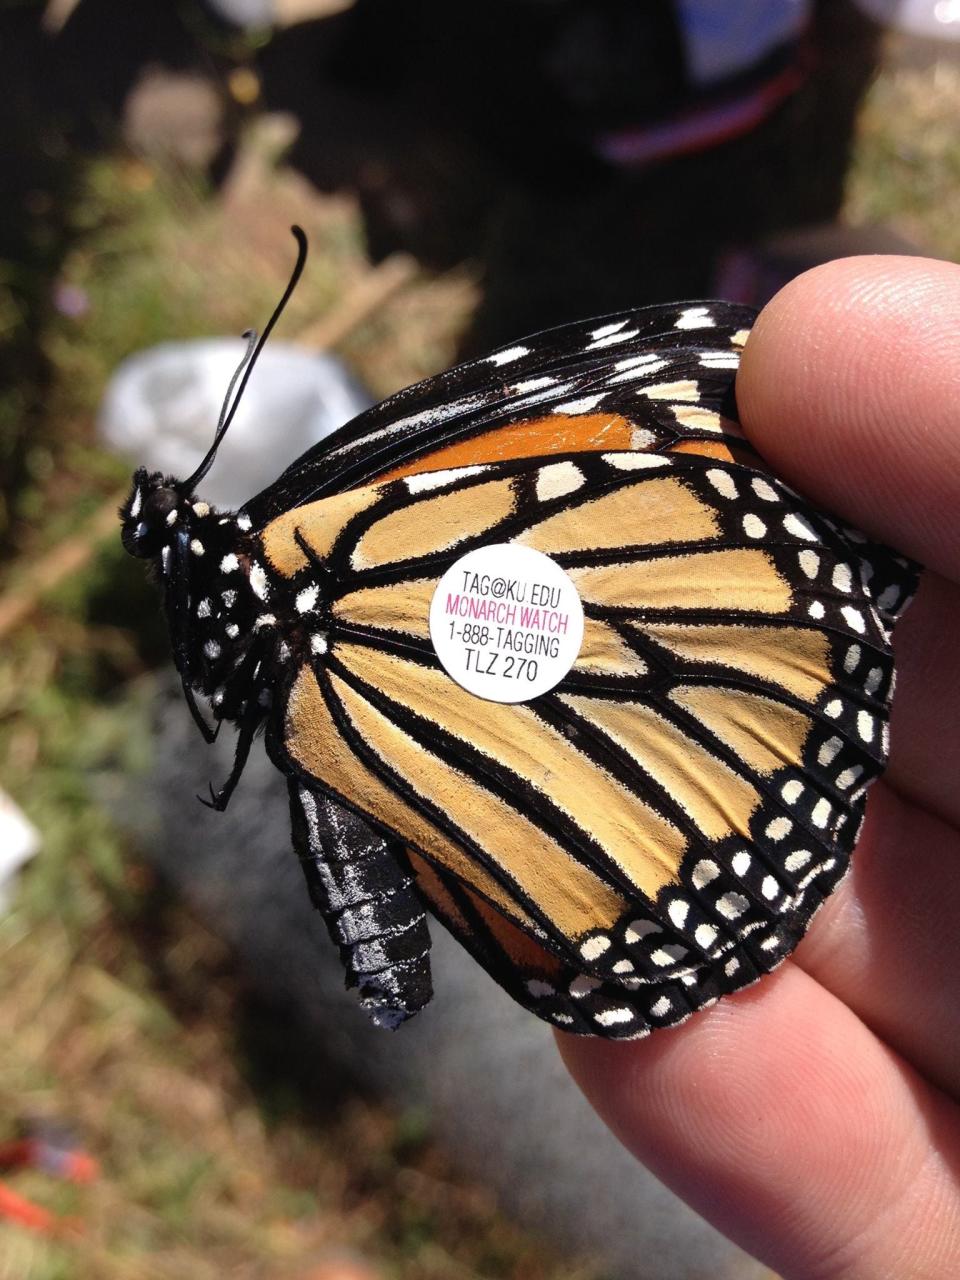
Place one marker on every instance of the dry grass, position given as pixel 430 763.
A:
pixel 214 1159
pixel 118 1014
pixel 906 170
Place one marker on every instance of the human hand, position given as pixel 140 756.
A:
pixel 815 1117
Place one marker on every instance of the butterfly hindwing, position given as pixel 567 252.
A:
pixel 664 821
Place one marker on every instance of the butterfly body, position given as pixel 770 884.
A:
pixel 656 829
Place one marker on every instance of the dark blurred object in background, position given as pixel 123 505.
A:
pixel 590 154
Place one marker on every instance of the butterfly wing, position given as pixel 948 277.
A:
pixel 660 826
pixel 652 378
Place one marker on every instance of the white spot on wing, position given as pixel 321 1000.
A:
pixel 229 563
pixel 533 384
pixel 779 828
pixel 606 330
pixel 720 360
pixel 695 318
pixel 244 522
pixel 558 478
pixel 610 339
pixel 809 563
pixel 613 1017
pixel 582 985
pixel 872 682
pixel 854 617
pixel 583 405
pixel 723 482
pixel 508 356
pixel 668 955
pixel 635 461
pixel 639 929
pixel 847 777
pixel 593 948
pixel 678 911
pixel 821 813
pixel 196 546
pixel 637 366
pixel 763 490
pixel 705 871
pixel 427 480
pixel 136 504
pixel 799 527
pixel 686 389
pixel 732 905
pixel 753 526
pixel 258 581
pixel 307 598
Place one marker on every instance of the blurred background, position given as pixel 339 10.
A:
pixel 184 1091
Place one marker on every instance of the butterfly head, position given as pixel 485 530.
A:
pixel 156 511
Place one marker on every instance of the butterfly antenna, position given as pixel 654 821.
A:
pixel 246 365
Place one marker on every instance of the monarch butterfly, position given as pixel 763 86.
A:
pixel 652 831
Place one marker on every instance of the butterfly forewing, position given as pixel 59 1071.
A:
pixel 654 377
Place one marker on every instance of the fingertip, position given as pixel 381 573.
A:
pixel 850 386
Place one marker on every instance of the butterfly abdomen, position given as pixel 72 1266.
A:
pixel 364 891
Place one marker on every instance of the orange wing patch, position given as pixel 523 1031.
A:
pixel 555 433
pixel 520 949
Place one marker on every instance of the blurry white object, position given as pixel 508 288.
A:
pixel 244 13
pixel 19 841
pixel 161 408
pixel 939 19
pixel 722 39
pixel 281 13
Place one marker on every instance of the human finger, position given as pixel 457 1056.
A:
pixel 782 1119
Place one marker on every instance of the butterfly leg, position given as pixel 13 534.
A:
pixel 363 888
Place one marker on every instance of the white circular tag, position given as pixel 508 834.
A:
pixel 506 622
